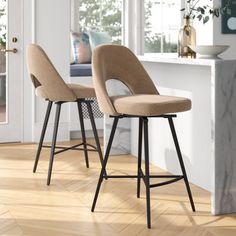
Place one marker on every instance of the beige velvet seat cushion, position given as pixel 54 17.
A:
pixel 149 105
pixel 80 91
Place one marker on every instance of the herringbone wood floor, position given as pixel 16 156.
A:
pixel 29 207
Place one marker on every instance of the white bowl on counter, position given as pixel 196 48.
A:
pixel 209 51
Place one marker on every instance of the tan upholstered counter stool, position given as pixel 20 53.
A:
pixel 50 86
pixel 118 62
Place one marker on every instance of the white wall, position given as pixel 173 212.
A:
pixel 204 32
pixel 219 38
pixel 51 31
pixel 210 34
pixel 27 85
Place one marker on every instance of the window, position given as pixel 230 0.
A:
pixel 3 23
pixel 162 22
pixel 103 16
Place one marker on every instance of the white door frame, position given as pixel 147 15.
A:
pixel 28 92
pixel 33 108
pixel 11 131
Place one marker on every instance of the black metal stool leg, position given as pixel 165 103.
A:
pixel 147 177
pixel 45 123
pixel 140 143
pixel 54 140
pixel 83 132
pixel 105 162
pixel 95 133
pixel 172 127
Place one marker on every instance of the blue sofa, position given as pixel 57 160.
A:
pixel 77 70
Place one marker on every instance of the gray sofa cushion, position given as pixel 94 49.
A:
pixel 80 70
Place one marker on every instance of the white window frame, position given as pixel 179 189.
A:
pixel 74 15
pixel 75 18
pixel 140 31
pixel 132 23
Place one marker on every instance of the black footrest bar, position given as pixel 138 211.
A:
pixel 174 177
pixel 92 146
pixel 166 182
pixel 75 147
pixel 120 176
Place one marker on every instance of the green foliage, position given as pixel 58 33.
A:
pixel 152 42
pixel 153 45
pixel 102 15
pixel 155 42
pixel 203 12
pixel 105 15
pixel 2 24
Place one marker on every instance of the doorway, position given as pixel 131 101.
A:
pixel 11 70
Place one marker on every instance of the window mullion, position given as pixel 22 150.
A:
pixel 162 28
pixel 123 18
pixel 100 14
pixel 161 31
pixel 140 27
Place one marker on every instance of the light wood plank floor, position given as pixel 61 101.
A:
pixel 29 207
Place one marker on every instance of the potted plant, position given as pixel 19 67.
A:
pixel 195 10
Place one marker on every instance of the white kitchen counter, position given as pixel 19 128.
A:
pixel 176 60
pixel 207 133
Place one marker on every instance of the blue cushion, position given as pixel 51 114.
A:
pixel 97 38
pixel 80 70
pixel 80 48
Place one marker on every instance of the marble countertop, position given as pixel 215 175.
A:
pixel 174 59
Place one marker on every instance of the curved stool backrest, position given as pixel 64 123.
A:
pixel 118 62
pixel 47 81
